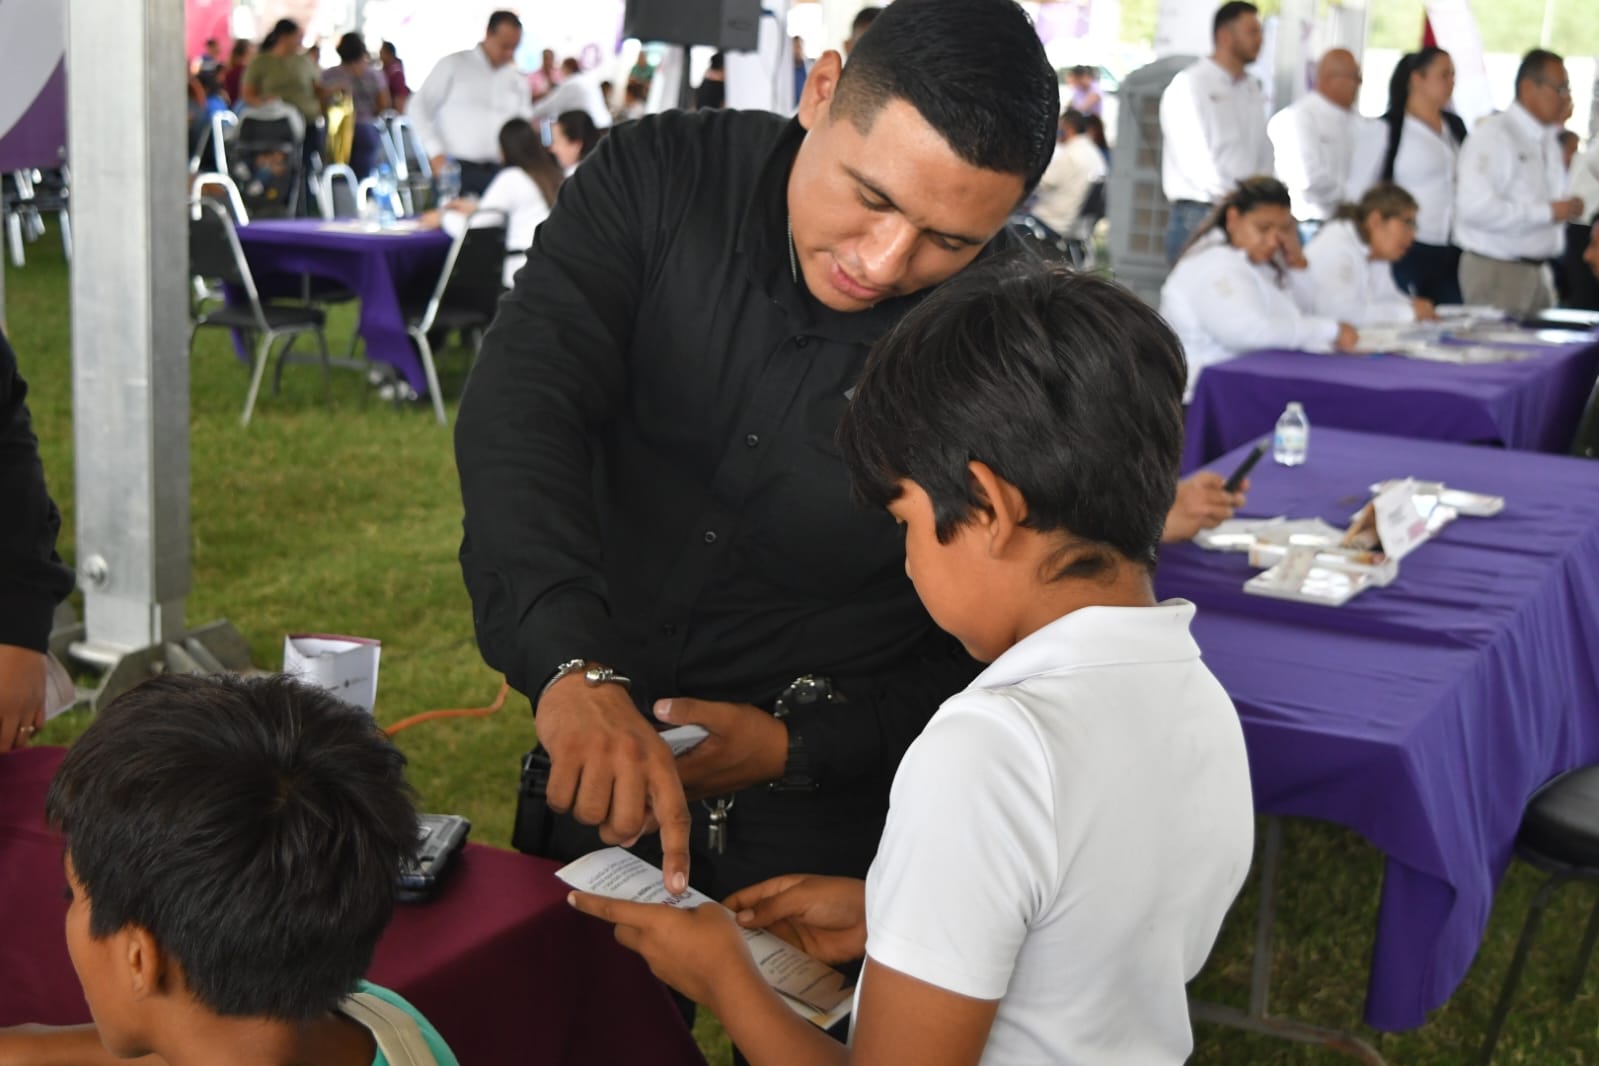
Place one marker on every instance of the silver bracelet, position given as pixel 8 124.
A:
pixel 594 675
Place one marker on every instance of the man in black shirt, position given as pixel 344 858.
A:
pixel 647 456
pixel 32 578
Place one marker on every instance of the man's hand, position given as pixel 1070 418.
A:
pixel 825 917
pixel 1347 338
pixel 610 769
pixel 1425 311
pixel 697 950
pixel 746 747
pixel 22 686
pixel 1202 503
pixel 1567 210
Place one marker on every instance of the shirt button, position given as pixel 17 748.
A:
pixel 752 440
pixel 800 342
pixel 669 630
pixel 710 536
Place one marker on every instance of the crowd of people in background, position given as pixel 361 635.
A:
pixel 1299 231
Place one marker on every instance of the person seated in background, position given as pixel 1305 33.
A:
pixel 367 92
pixel 1239 284
pixel 1076 165
pixel 523 191
pixel 1350 274
pixel 1065 835
pixel 32 577
pixel 233 74
pixel 573 136
pixel 233 847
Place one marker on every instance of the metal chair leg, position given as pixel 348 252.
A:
pixel 283 356
pixel 1584 954
pixel 426 351
pixel 65 217
pixel 1518 961
pixel 263 350
pixel 14 238
pixel 327 364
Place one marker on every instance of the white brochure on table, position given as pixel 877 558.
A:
pixel 813 989
pixel 1402 521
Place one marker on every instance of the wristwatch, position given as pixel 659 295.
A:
pixel 803 693
pixel 593 673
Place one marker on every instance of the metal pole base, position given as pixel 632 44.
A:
pixel 1256 1019
pixel 1286 1029
pixel 209 649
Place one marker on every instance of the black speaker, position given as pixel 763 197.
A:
pixel 731 25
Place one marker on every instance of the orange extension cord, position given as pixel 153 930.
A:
pixel 453 712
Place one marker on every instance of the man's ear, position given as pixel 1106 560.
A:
pixel 820 85
pixel 1001 507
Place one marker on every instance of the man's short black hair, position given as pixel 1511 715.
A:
pixel 1229 13
pixel 503 18
pixel 1068 386
pixel 864 18
pixel 1533 65
pixel 254 827
pixel 974 69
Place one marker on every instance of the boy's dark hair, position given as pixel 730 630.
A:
pixel 351 47
pixel 1229 13
pixel 1533 65
pixel 503 18
pixel 1068 386
pixel 975 71
pixel 255 827
pixel 864 18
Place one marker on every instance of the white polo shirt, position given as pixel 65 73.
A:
pixel 1072 171
pixel 1213 128
pixel 459 110
pixel 1065 837
pixel 1425 167
pixel 1347 284
pixel 1313 143
pixel 579 92
pixel 1511 170
pixel 1220 304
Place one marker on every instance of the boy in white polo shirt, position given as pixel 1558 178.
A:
pixel 1067 833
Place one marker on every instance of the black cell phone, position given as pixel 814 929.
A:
pixel 1237 479
pixel 440 838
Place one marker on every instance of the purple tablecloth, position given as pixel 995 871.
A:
pixel 1421 715
pixel 387 271
pixel 1533 405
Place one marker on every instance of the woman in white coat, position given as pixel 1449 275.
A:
pixel 1351 261
pixel 1234 287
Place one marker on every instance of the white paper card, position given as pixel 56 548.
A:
pixel 814 989
pixel 60 694
pixel 345 666
pixel 684 738
pixel 1401 522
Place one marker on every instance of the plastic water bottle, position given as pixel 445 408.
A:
pixel 1291 442
pixel 384 192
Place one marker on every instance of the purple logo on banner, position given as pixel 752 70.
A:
pixel 33 83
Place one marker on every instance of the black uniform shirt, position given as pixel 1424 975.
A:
pixel 647 454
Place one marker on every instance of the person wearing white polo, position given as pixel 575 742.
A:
pixel 1314 141
pixel 1213 125
pixel 1350 275
pixel 468 97
pixel 1510 206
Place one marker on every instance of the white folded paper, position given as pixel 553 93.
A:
pixel 345 666
pixel 813 989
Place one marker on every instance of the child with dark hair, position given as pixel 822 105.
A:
pixel 1066 835
pixel 232 852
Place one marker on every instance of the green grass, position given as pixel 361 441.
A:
pixel 343 516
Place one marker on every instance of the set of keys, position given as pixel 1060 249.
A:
pixel 717 818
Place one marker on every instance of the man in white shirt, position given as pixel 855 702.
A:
pixel 1510 203
pixel 1072 172
pixel 459 110
pixel 1213 125
pixel 577 91
pixel 1314 140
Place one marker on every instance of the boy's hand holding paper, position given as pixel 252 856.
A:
pixel 694 944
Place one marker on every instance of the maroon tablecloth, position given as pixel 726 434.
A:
pixel 498 962
pixel 387 271
pixel 1532 405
